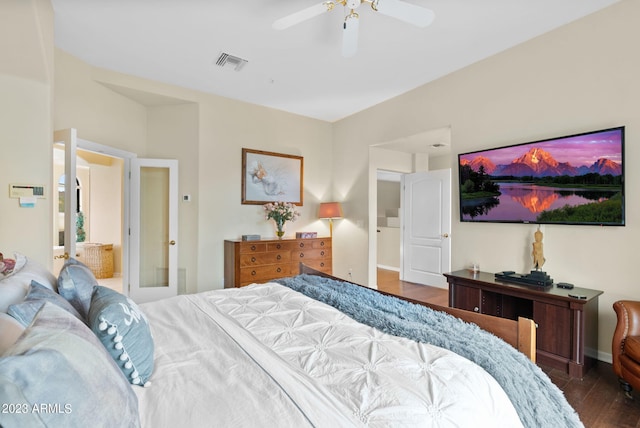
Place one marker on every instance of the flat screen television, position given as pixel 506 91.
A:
pixel 575 179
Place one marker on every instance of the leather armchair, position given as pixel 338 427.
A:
pixel 625 349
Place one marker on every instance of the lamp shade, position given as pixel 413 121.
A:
pixel 330 210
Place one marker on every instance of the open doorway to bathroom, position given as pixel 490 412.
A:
pixel 99 210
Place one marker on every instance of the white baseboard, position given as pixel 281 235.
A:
pixel 393 268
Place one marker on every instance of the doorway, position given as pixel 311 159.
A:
pixel 425 151
pixel 98 197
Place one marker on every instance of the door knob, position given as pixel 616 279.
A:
pixel 445 235
pixel 172 242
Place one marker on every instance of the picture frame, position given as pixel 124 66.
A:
pixel 271 177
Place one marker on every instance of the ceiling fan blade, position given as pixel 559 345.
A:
pixel 350 35
pixel 303 15
pixel 416 15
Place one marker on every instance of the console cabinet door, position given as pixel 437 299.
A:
pixel 554 329
pixel 467 298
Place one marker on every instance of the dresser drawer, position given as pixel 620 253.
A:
pixel 268 258
pixel 321 243
pixel 279 246
pixel 303 255
pixel 318 243
pixel 252 247
pixel 323 265
pixel 250 275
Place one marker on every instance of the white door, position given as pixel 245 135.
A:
pixel 426 225
pixel 66 140
pixel 154 229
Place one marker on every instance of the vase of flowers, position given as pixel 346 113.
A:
pixel 280 212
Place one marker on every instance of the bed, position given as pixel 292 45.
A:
pixel 306 351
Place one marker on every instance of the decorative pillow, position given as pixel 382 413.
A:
pixel 13 288
pixel 75 283
pixel 59 363
pixel 124 331
pixel 10 331
pixel 10 266
pixel 37 296
pixel 11 293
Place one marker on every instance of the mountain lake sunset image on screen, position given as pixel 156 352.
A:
pixel 578 179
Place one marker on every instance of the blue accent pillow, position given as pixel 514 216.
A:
pixel 58 363
pixel 75 283
pixel 124 331
pixel 36 297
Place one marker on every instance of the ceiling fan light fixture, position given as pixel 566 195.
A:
pixel 412 14
pixel 350 35
pixel 303 15
pixel 352 4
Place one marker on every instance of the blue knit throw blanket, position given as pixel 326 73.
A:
pixel 537 400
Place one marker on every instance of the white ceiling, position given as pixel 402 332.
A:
pixel 299 70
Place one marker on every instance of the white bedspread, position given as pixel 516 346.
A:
pixel 265 355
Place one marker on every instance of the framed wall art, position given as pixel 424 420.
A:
pixel 271 177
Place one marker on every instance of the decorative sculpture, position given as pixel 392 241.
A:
pixel 538 252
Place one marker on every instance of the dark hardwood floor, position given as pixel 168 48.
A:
pixel 597 397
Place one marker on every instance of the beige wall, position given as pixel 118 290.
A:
pixel 388 198
pixel 172 132
pixel 225 128
pixel 26 75
pixel 581 77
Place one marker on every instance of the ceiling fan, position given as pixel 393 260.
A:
pixel 403 11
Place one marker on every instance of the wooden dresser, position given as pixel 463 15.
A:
pixel 246 262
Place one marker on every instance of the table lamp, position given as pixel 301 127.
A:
pixel 330 210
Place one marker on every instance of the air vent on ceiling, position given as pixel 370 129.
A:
pixel 225 59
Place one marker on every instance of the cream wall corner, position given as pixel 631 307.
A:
pixel 26 76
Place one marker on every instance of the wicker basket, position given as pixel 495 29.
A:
pixel 99 258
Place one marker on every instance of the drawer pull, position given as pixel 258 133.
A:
pixel 279 270
pixel 301 255
pixel 302 245
pixel 278 246
pixel 322 264
pixel 322 253
pixel 476 309
pixel 253 248
pixel 322 244
pixel 253 259
pixel 278 257
pixel 253 272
